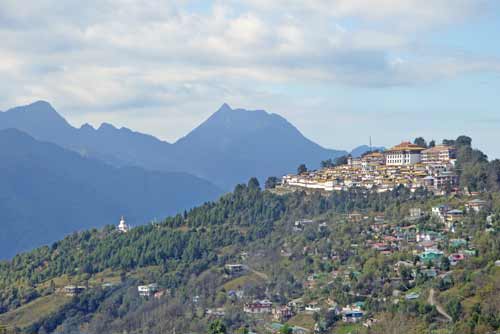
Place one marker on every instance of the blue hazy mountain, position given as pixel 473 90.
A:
pixel 231 146
pixel 120 147
pixel 235 144
pixel 362 149
pixel 47 192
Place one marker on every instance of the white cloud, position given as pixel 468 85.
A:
pixel 116 55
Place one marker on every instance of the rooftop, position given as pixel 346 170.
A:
pixel 406 146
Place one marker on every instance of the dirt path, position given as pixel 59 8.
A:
pixel 431 300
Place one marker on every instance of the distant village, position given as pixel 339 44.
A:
pixel 435 251
pixel 405 164
pixel 430 248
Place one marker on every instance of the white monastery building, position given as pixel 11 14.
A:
pixel 403 154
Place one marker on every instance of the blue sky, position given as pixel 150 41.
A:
pixel 340 70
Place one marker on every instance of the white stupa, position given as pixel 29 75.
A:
pixel 123 227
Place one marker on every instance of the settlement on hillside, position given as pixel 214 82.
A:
pixel 405 164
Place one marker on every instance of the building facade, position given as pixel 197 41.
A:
pixel 147 290
pixel 258 307
pixel 439 154
pixel 403 154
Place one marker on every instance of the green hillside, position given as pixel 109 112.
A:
pixel 316 257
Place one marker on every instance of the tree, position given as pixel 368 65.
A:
pixel 331 318
pixel 494 175
pixel 52 287
pixel 420 141
pixel 464 141
pixel 449 142
pixel 338 162
pixel 271 182
pixel 327 163
pixel 454 307
pixel 341 160
pixel 302 169
pixel 217 327
pixel 432 143
pixel 445 264
pixel 254 184
pixel 286 329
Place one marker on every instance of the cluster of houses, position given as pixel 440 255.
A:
pixel 451 216
pixel 282 313
pixel 435 252
pixel 430 248
pixel 405 164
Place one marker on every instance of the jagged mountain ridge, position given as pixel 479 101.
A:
pixel 231 146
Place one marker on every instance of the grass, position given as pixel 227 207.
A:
pixel 145 273
pixel 59 282
pixel 302 320
pixel 241 281
pixel 30 313
pixel 107 276
pixel 42 307
pixel 349 329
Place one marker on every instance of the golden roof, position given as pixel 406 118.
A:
pixel 406 146
pixel 438 148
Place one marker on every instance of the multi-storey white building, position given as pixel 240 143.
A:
pixel 403 154
pixel 439 154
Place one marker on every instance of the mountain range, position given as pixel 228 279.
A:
pixel 57 178
pixel 231 146
pixel 48 192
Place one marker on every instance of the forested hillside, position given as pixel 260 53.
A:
pixel 266 260
pixel 186 255
pixel 48 192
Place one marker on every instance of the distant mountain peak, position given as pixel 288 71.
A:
pixel 39 119
pixel 362 149
pixel 229 147
pixel 87 126
pixel 39 106
pixel 42 103
pixel 107 126
pixel 224 108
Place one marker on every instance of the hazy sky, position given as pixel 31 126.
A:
pixel 340 70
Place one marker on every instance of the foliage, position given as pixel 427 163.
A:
pixel 286 329
pixel 185 254
pixel 217 327
pixel 271 182
pixel 420 142
pixel 301 169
